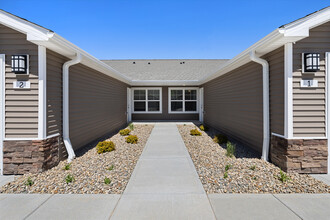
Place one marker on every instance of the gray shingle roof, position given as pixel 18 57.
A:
pixel 164 69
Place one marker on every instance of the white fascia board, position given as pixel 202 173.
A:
pixel 165 82
pixel 302 26
pixel 287 34
pixel 31 30
pixel 59 43
pixel 243 57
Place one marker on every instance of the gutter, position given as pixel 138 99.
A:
pixel 265 83
pixel 66 137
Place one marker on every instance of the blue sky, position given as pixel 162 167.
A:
pixel 157 29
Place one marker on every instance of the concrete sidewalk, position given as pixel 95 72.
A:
pixel 164 184
pixel 225 206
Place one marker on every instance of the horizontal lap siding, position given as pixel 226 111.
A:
pixel 21 105
pixel 97 105
pixel 165 115
pixel 309 104
pixel 54 92
pixel 276 90
pixel 233 104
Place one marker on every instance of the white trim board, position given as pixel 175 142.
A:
pixel 327 69
pixel 2 111
pixel 288 91
pixel 42 93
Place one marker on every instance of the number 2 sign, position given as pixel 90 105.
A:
pixel 21 85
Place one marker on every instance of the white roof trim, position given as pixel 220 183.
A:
pixel 291 32
pixel 165 82
pixel 44 37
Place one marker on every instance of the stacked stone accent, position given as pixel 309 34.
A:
pixel 300 155
pixel 30 156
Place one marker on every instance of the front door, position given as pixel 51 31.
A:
pixel 2 112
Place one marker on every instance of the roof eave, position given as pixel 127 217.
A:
pixel 292 32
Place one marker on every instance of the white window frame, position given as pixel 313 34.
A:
pixel 146 89
pixel 183 100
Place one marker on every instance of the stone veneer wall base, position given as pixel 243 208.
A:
pixel 300 155
pixel 30 156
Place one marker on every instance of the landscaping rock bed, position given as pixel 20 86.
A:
pixel 246 174
pixel 89 170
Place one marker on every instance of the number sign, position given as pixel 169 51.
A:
pixel 21 85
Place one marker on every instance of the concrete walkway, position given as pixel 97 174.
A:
pixel 164 184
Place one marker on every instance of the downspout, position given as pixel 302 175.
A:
pixel 66 137
pixel 265 83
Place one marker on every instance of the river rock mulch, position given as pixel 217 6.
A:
pixel 89 170
pixel 247 174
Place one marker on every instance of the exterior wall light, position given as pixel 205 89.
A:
pixel 311 62
pixel 20 64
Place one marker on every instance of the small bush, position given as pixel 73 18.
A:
pixel 125 132
pixel 133 139
pixel 253 167
pixel 107 181
pixel 69 179
pixel 230 149
pixel 283 177
pixel 110 168
pixel 29 182
pixel 67 166
pixel 225 175
pixel 195 132
pixel 228 166
pixel 203 128
pixel 131 126
pixel 105 146
pixel 220 138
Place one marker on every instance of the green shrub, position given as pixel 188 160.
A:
pixel 131 126
pixel 69 179
pixel 228 166
pixel 105 146
pixel 253 167
pixel 203 128
pixel 133 139
pixel 195 132
pixel 225 175
pixel 283 177
pixel 110 168
pixel 220 138
pixel 107 181
pixel 124 132
pixel 67 166
pixel 230 149
pixel 29 182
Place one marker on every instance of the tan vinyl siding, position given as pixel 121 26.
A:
pixel 54 92
pixel 21 106
pixel 233 104
pixel 97 105
pixel 165 115
pixel 309 104
pixel 276 90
